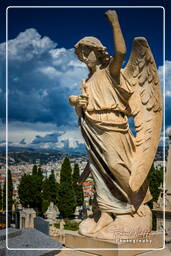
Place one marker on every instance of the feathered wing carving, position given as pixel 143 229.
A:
pixel 146 108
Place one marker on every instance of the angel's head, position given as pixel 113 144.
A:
pixel 91 51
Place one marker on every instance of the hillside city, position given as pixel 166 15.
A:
pixel 21 163
pixel 45 200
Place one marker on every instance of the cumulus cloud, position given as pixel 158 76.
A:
pixel 42 136
pixel 41 78
pixel 167 70
pixel 62 140
pixel 17 131
pixel 27 46
pixel 167 93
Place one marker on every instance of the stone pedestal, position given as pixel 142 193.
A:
pixel 154 240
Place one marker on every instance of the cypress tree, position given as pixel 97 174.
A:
pixel 10 191
pixel 77 188
pixel 4 196
pixel 25 191
pixel 50 191
pixel 155 179
pixel 45 205
pixel 66 171
pixel 54 188
pixel 0 198
pixel 30 191
pixel 38 180
pixel 34 170
pixel 39 172
pixel 67 199
pixel 46 190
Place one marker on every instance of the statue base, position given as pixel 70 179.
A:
pixel 109 248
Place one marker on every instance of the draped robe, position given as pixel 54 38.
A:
pixel 110 143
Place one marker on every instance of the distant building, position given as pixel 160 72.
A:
pixel 88 189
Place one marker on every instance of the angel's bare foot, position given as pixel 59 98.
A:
pixel 105 219
pixel 89 226
pixel 126 226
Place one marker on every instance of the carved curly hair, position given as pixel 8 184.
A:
pixel 97 46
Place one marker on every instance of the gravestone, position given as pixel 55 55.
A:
pixel 77 212
pixel 27 216
pixel 52 212
pixel 159 206
pixel 41 225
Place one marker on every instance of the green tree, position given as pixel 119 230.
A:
pixel 39 172
pixel 66 171
pixel 45 205
pixel 54 189
pixel 37 179
pixel 4 196
pixel 1 198
pixel 34 170
pixel 25 191
pixel 67 199
pixel 155 179
pixel 30 190
pixel 78 189
pixel 46 190
pixel 10 193
pixel 50 191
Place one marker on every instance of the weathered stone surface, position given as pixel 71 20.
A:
pixel 119 161
pixel 12 232
pixel 164 252
pixel 27 216
pixel 112 249
pixel 28 238
pixel 41 224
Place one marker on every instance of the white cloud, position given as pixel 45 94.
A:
pixel 27 45
pixel 167 70
pixel 41 79
pixel 42 135
pixel 73 137
pixel 168 130
pixel 50 72
pixel 24 130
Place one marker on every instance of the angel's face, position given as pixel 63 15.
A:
pixel 87 55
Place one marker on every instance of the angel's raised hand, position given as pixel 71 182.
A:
pixel 111 16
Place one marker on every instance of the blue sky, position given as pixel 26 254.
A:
pixel 44 72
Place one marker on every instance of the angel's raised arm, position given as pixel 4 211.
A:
pixel 119 45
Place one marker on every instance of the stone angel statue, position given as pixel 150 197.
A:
pixel 119 161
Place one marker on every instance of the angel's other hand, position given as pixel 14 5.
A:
pixel 82 101
pixel 73 100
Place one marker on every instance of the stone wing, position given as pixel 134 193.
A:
pixel 146 108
